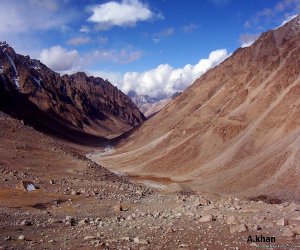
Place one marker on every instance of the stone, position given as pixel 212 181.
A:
pixel 83 222
pixel 118 208
pixel 296 230
pixel 136 240
pixel 201 202
pixel 288 233
pixel 206 218
pixel 26 223
pixel 126 238
pixel 257 227
pixel 282 222
pixel 183 245
pixel 238 228
pixel 231 220
pixel 87 238
pixel 190 214
pixel 21 237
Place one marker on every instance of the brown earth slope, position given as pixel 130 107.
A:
pixel 81 205
pixel 235 130
pixel 74 106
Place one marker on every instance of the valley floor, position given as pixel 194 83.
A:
pixel 81 205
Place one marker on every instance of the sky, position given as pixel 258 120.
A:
pixel 155 47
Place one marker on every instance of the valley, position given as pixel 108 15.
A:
pixel 213 167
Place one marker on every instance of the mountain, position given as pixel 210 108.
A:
pixel 235 130
pixel 74 106
pixel 150 106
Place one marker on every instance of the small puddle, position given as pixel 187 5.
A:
pixel 30 187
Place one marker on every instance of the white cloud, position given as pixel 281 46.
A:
pixel 162 34
pixel 81 40
pixel 165 80
pixel 28 15
pixel 125 13
pixel 282 10
pixel 115 78
pixel 189 28
pixel 84 29
pixel 61 60
pixel 122 56
pixel 248 39
pixel 66 61
pixel 102 39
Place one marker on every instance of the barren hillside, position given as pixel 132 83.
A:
pixel 235 130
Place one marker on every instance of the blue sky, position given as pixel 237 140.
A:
pixel 154 47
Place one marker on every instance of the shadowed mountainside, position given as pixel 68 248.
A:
pixel 76 106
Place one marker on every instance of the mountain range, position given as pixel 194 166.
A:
pixel 235 130
pixel 77 107
pixel 148 105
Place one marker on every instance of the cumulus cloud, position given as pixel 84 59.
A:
pixel 166 80
pixel 126 13
pixel 81 40
pixel 59 59
pixel 248 39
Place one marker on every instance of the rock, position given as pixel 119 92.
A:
pixel 53 221
pixel 83 222
pixel 73 192
pixel 190 214
pixel 288 233
pixel 26 223
pixel 257 227
pixel 296 230
pixel 51 182
pixel 206 218
pixel 87 238
pixel 125 238
pixel 7 238
pixel 118 208
pixel 21 237
pixel 136 240
pixel 183 245
pixel 282 222
pixel 231 220
pixel 238 228
pixel 201 201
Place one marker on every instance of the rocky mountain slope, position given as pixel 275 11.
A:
pixel 76 106
pixel 235 130
pixel 150 106
pixel 78 204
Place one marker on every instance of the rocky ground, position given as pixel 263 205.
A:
pixel 79 204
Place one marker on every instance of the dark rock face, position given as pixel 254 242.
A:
pixel 31 91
